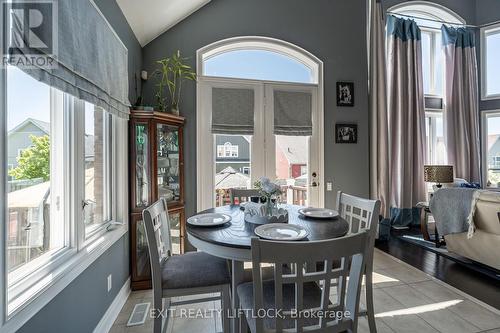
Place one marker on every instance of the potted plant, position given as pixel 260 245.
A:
pixel 173 71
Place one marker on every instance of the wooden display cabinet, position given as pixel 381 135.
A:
pixel 156 171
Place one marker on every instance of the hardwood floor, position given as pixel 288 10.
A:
pixel 473 283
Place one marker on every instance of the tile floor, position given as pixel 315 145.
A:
pixel 406 300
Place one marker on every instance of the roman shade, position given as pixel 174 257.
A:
pixel 232 111
pixel 292 113
pixel 89 60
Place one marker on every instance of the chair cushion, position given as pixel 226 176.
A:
pixel 194 269
pixel 311 299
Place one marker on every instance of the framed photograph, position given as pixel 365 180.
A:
pixel 346 133
pixel 345 94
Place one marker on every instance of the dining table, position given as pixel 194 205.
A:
pixel 232 240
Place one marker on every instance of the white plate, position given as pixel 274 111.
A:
pixel 208 219
pixel 319 213
pixel 281 231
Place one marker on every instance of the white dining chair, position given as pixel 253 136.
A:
pixel 362 215
pixel 298 291
pixel 242 194
pixel 193 273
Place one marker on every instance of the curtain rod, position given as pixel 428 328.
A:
pixel 444 22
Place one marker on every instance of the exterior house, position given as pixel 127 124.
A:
pixel 19 138
pixel 291 157
pixel 233 151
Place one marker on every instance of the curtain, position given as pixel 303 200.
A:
pixel 232 111
pixel 85 58
pixel 292 113
pixel 406 120
pixel 461 117
pixel 379 144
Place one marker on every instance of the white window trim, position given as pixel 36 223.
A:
pixel 63 266
pixel 492 29
pixel 205 172
pixel 484 145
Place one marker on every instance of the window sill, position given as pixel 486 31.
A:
pixel 42 292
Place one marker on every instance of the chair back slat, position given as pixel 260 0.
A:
pixel 361 214
pixel 156 223
pixel 298 256
pixel 239 195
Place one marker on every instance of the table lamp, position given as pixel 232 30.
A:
pixel 438 174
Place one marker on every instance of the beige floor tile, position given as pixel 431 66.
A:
pixel 497 330
pixel 402 274
pixel 181 325
pixel 383 261
pixel 381 326
pixel 117 329
pixel 436 313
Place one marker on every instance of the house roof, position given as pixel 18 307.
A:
pixel 150 18
pixel 42 125
pixel 230 178
pixel 293 148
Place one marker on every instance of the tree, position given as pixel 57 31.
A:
pixel 34 162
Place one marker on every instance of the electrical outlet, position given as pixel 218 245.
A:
pixel 109 282
pixel 329 186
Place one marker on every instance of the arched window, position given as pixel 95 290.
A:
pixel 429 17
pixel 258 59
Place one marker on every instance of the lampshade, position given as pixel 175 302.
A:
pixel 438 173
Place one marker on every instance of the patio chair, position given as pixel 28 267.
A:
pixel 242 193
pixel 303 305
pixel 189 274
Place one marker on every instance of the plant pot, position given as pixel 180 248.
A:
pixel 174 110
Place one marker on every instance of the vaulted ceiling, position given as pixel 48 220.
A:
pixel 151 18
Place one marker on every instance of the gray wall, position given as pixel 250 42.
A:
pixel 80 306
pixel 334 31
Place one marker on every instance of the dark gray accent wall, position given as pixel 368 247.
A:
pixel 334 31
pixel 487 11
pixel 81 305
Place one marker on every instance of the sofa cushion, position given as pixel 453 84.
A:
pixel 486 215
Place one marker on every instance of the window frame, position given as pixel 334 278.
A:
pixel 484 32
pixel 484 146
pixel 433 36
pixel 33 286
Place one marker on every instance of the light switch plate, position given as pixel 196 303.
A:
pixel 329 186
pixel 109 282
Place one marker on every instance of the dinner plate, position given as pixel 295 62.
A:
pixel 319 213
pixel 208 219
pixel 281 231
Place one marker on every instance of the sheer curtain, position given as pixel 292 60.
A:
pixel 461 117
pixel 406 119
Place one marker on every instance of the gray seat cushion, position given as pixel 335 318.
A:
pixel 311 299
pixel 194 269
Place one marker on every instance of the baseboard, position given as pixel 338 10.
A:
pixel 106 322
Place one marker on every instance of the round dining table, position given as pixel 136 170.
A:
pixel 232 240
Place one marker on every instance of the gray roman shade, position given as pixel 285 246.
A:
pixel 232 111
pixel 292 113
pixel 89 60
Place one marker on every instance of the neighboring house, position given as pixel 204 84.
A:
pixel 291 157
pixel 494 152
pixel 232 151
pixel 19 138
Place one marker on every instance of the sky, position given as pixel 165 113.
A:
pixel 493 61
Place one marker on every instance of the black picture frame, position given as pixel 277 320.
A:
pixel 345 94
pixel 346 133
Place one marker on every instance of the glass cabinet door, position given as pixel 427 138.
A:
pixel 142 161
pixel 141 256
pixel 168 163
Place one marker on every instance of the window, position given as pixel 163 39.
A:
pixel 490 64
pixel 59 185
pixel 97 155
pixel 428 17
pixel 227 150
pixel 491 147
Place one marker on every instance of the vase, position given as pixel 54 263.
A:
pixel 175 110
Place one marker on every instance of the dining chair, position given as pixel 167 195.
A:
pixel 362 215
pixel 242 193
pixel 193 273
pixel 300 303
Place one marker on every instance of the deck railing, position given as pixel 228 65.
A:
pixel 292 195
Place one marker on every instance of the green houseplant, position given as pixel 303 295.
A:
pixel 173 71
